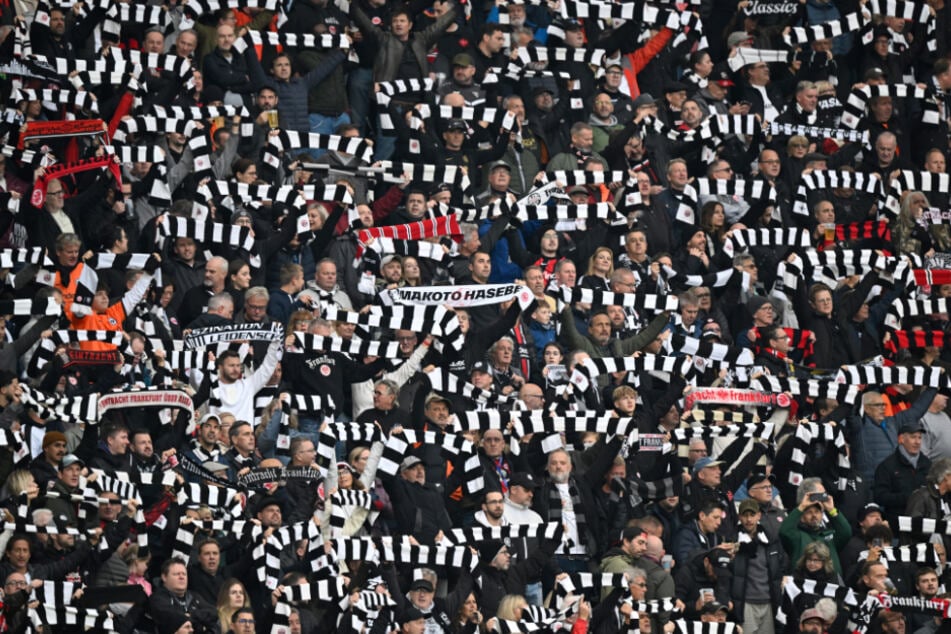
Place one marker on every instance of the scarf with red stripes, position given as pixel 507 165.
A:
pixel 428 228
pixel 60 170
pixel 916 339
pixel 863 231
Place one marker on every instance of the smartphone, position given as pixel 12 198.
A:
pixel 705 591
pixel 877 542
pixel 667 561
pixel 818 497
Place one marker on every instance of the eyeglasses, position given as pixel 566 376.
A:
pixel 762 487
pixel 815 560
pixel 875 405
pixel 245 621
pixel 703 295
pixel 18 583
pixel 58 192
pixel 257 307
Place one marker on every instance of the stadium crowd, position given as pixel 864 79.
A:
pixel 329 316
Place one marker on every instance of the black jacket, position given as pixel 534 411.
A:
pixel 776 564
pixel 895 480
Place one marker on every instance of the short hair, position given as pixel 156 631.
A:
pixel 111 430
pixel 562 263
pixel 709 506
pixel 467 229
pixel 620 273
pixel 673 162
pixel 239 612
pixel 925 570
pixel 886 135
pixel 491 28
pixel 580 126
pixel 64 240
pixel 940 469
pixel 941 66
pixel 257 291
pixel 391 386
pixel 208 541
pixel 807 486
pixel 168 563
pixel 296 443
pixel 238 424
pixel 805 85
pixel 216 302
pixel 817 288
pixel 401 11
pixel 224 356
pixel 289 272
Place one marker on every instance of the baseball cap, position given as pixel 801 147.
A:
pixel 69 460
pixel 756 478
pixel 749 506
pixel 722 78
pixel 209 417
pixel 713 607
pixel 462 59
pixel 524 479
pixel 422 584
pixel 738 37
pixel 457 124
pixel 644 99
pixel 480 366
pixel 433 396
pixel 705 462
pixel 411 614
pixel 674 86
pixel 500 164
pixel 869 508
pixel 911 427
pixel 540 90
pixel 811 613
pixel 241 213
pixel 409 462
pixel 386 259
pixel 577 189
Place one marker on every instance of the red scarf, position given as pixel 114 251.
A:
pixel 428 228
pixel 65 169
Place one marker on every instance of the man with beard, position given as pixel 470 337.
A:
pixel 45 468
pixel 569 500
pixel 195 301
pixel 498 577
pixel 578 152
pixel 806 523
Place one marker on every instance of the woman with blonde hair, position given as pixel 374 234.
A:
pixel 231 597
pixel 511 607
pixel 600 269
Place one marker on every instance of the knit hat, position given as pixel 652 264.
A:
pixel 53 436
pixel 489 549
pixel 171 622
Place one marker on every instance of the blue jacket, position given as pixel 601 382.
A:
pixel 872 443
